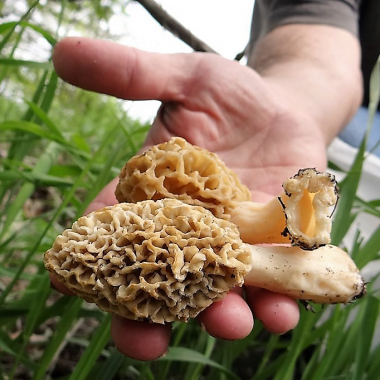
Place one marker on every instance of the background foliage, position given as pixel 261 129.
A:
pixel 58 147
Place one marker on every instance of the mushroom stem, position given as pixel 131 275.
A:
pixel 265 223
pixel 325 275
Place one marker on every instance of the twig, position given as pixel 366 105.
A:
pixel 175 27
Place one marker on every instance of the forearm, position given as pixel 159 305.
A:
pixel 315 69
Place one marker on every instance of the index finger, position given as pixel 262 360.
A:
pixel 121 71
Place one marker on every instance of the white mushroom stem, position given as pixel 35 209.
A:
pixel 265 223
pixel 325 275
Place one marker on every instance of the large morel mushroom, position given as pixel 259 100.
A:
pixel 159 261
pixel 179 170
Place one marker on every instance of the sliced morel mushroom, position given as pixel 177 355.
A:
pixel 179 170
pixel 301 215
pixel 160 261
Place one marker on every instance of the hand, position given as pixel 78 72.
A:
pixel 219 105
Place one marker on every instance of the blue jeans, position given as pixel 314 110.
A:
pixel 353 133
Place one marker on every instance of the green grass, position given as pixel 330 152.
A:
pixel 54 160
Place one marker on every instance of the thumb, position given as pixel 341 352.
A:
pixel 122 71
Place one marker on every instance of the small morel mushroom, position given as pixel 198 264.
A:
pixel 160 261
pixel 179 170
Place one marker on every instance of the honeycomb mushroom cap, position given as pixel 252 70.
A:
pixel 179 170
pixel 154 260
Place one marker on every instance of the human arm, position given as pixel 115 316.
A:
pixel 317 67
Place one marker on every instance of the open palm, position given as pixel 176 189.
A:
pixel 224 107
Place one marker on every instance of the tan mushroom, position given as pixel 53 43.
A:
pixel 179 170
pixel 161 261
pixel 165 260
pixel 301 215
pixel 325 275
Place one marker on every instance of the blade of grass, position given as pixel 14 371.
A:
pixel 37 96
pixel 374 363
pixel 41 292
pixel 39 112
pixel 187 355
pixel 100 338
pixel 179 330
pixel 269 348
pixel 110 368
pixel 68 317
pixel 44 95
pixel 271 369
pixel 104 176
pixel 43 165
pixel 334 346
pixel 25 63
pixel 27 126
pixel 49 93
pixel 5 40
pixel 5 70
pixel 35 178
pixel 348 336
pixel 228 352
pixel 9 346
pixel 369 250
pixel 343 215
pixel 312 363
pixel 363 343
pixel 13 24
pixel 351 182
pixel 197 370
pixel 299 336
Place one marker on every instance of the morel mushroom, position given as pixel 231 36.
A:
pixel 177 169
pixel 160 261
pixel 166 260
pixel 302 213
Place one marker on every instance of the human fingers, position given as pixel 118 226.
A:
pixel 229 318
pixel 58 286
pixel 279 314
pixel 121 71
pixel 140 340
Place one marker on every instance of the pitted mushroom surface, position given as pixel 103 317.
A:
pixel 179 170
pixel 154 260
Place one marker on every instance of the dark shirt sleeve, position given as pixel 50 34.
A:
pixel 269 14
